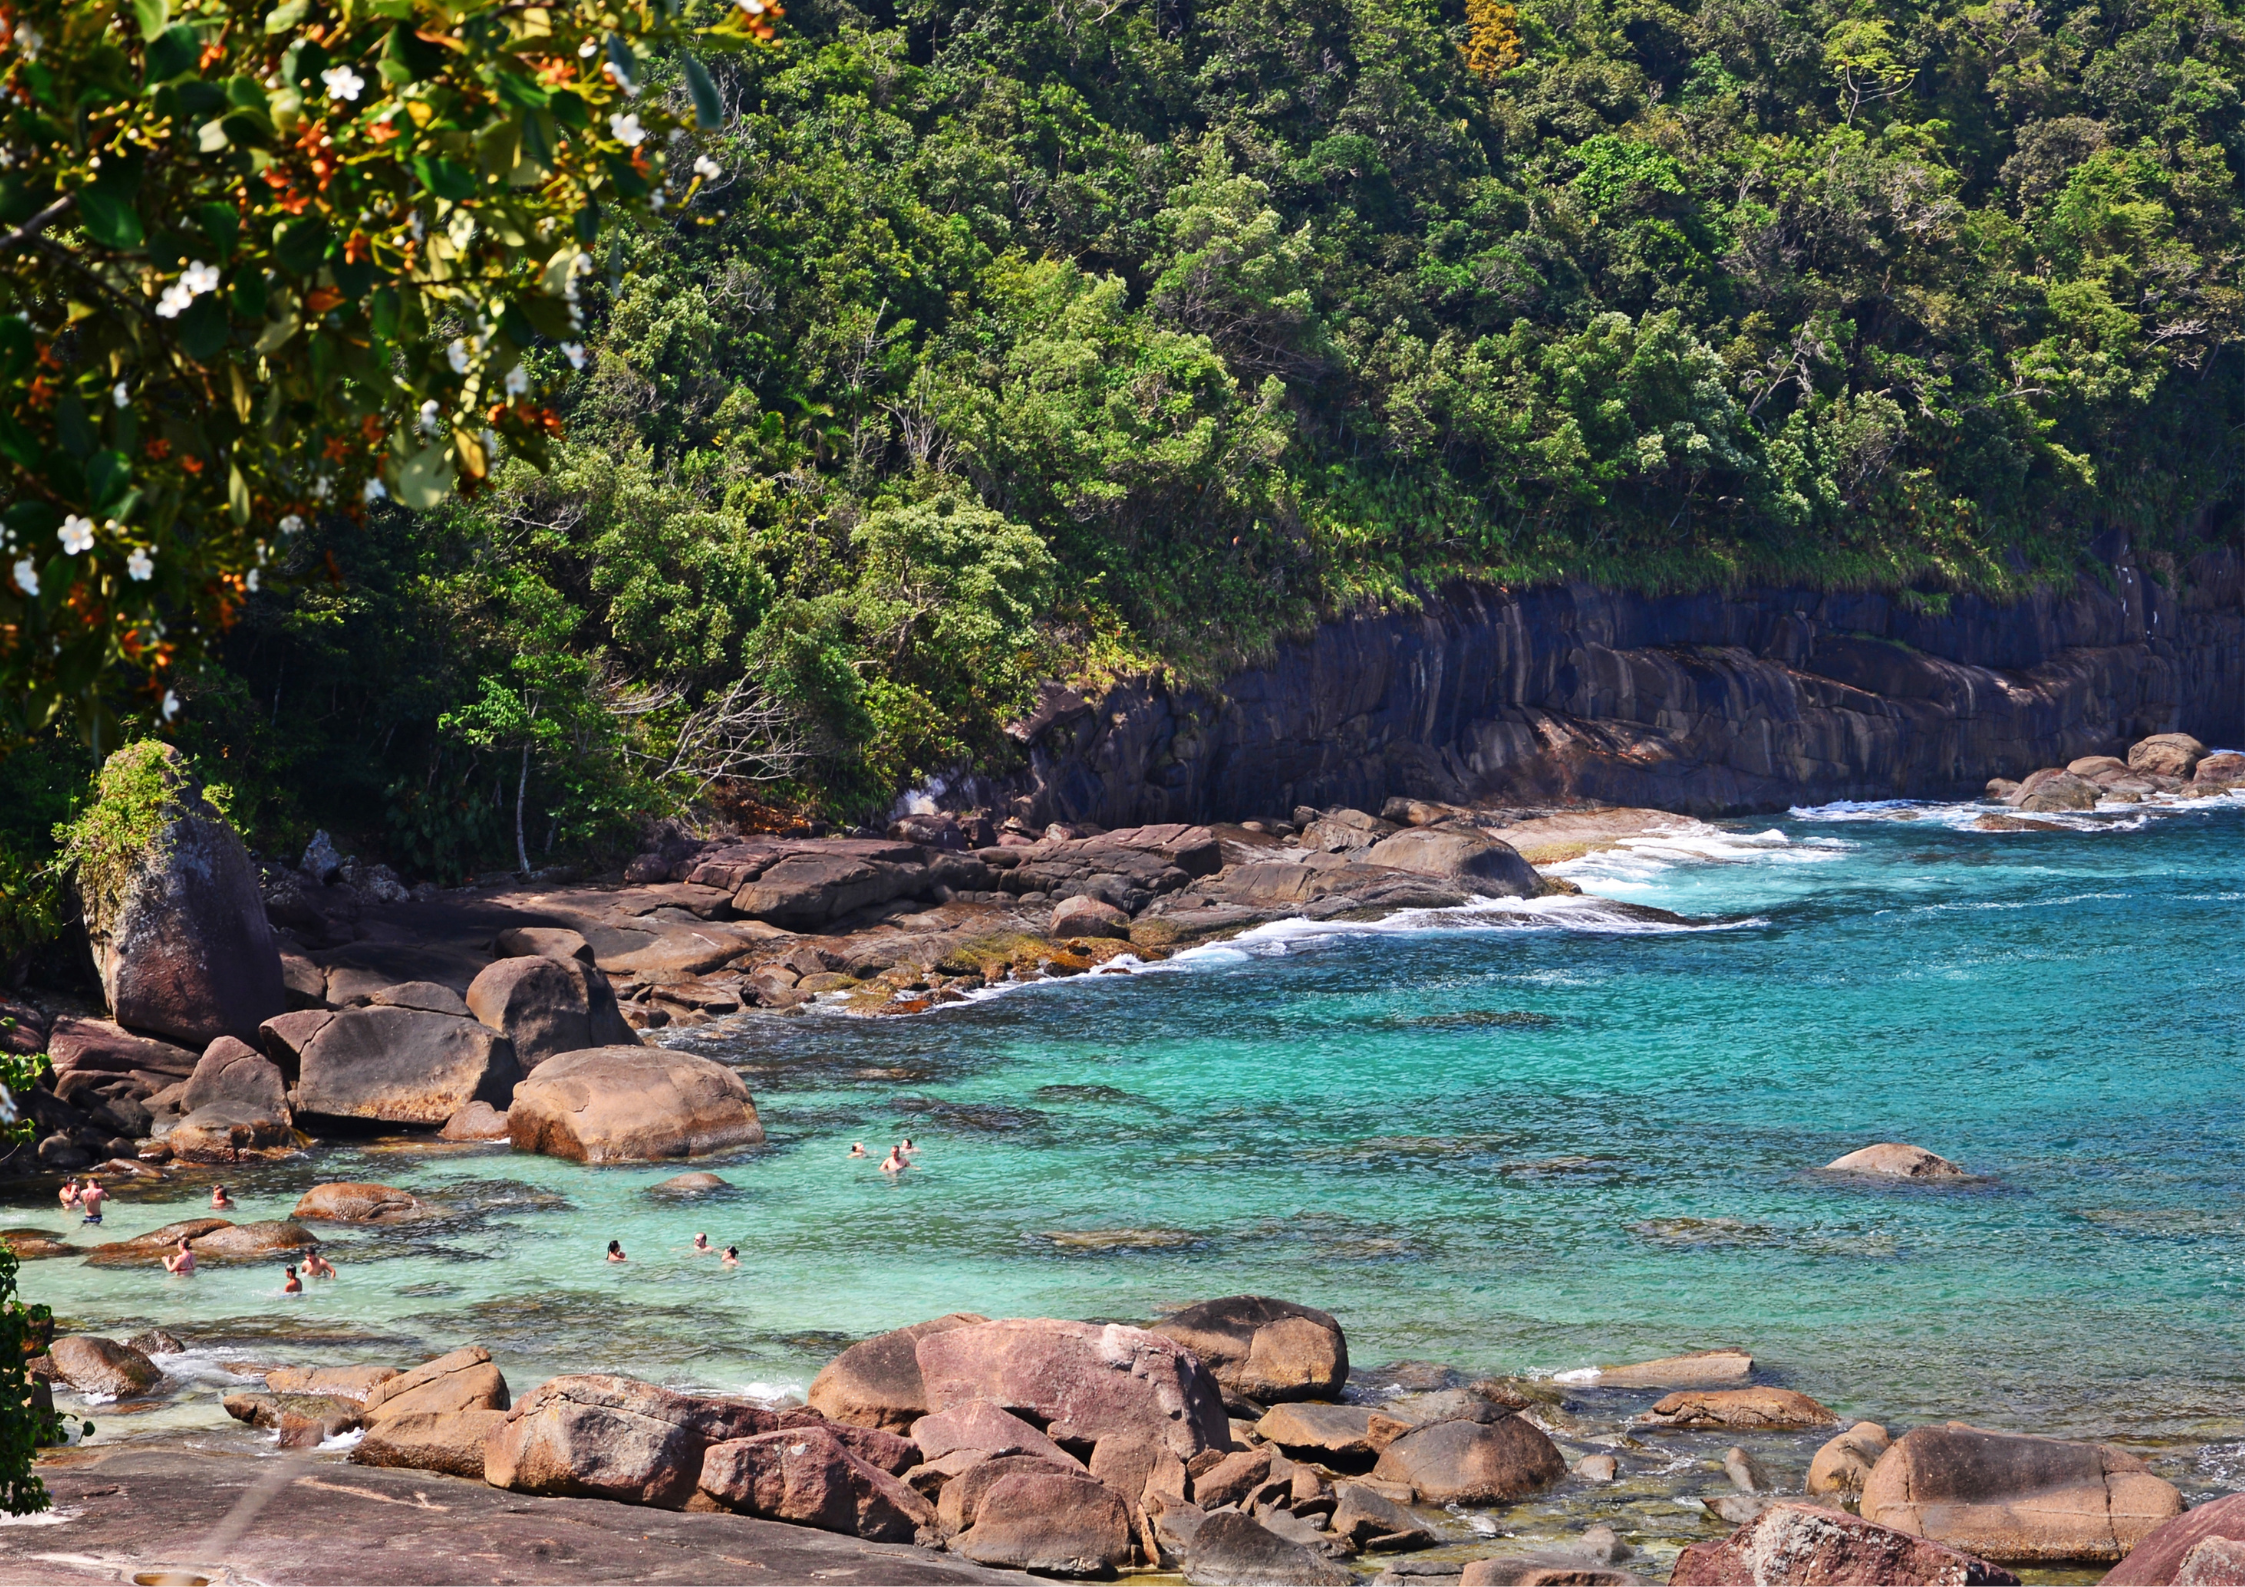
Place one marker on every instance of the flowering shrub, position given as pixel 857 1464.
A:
pixel 264 260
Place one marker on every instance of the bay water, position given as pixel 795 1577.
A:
pixel 1518 1139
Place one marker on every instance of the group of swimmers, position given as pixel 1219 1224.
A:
pixel 702 1247
pixel 88 1198
pixel 899 1158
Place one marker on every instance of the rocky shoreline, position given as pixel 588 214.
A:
pixel 1232 1442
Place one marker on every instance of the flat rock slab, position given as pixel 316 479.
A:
pixel 138 1509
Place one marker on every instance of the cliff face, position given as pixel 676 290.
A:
pixel 1713 704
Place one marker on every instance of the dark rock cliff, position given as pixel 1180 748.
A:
pixel 1713 704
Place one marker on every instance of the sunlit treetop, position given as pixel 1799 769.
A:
pixel 259 262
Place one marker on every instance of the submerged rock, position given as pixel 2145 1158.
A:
pixel 1763 1409
pixel 1896 1160
pixel 1699 1369
pixel 363 1203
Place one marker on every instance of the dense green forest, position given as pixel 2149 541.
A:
pixel 1015 337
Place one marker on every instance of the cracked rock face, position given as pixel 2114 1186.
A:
pixel 2017 1499
pixel 1801 1543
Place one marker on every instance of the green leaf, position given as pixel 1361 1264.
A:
pixel 426 479
pixel 109 219
pixel 443 177
pixel 286 15
pixel 301 244
pixel 383 315
pixel 172 53
pixel 549 317
pixel 237 494
pixel 537 139
pixel 153 16
pixel 16 347
pixel 202 329
pixel 709 110
pixel 108 477
pixel 519 90
pixel 222 225
pixel 249 294
pixel 20 447
pixel 414 55
pixel 568 109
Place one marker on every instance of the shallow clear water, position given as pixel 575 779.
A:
pixel 1519 1140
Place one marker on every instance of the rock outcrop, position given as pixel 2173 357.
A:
pixel 1895 1160
pixel 1747 1410
pixel 1266 1350
pixel 94 1365
pixel 452 1442
pixel 1801 1545
pixel 546 1005
pixel 2017 1499
pixel 178 929
pixel 626 1104
pixel 809 1476
pixel 877 1381
pixel 1843 1465
pixel 1472 1462
pixel 606 1437
pixel 2202 1547
pixel 395 1064
pixel 1085 1382
pixel 462 1380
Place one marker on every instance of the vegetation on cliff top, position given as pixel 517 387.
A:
pixel 1003 339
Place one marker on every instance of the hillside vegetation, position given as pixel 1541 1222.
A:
pixel 1077 336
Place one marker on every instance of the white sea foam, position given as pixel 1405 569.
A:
pixel 1579 1375
pixel 350 1439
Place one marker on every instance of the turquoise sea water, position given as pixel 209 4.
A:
pixel 1520 1140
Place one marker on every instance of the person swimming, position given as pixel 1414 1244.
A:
pixel 908 1149
pixel 732 1256
pixel 317 1266
pixel 294 1286
pixel 616 1251
pixel 857 1149
pixel 219 1199
pixel 701 1245
pixel 181 1261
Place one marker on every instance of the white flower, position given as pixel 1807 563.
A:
pixel 171 705
pixel 175 298
pixel 140 565
pixel 200 278
pixel 27 577
pixel 457 355
pixel 322 488
pixel 342 82
pixel 657 199
pixel 292 525
pixel 627 129
pixel 431 424
pixel 706 168
pixel 76 535
pixel 121 396
pixel 575 353
pixel 197 279
pixel 251 581
pixel 375 490
pixel 518 381
pixel 585 50
pixel 31 41
pixel 621 78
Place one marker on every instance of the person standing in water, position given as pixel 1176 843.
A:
pixel 317 1266
pixel 91 1198
pixel 219 1200
pixel 616 1251
pixel 701 1245
pixel 181 1261
pixel 294 1286
pixel 69 1193
pixel 894 1163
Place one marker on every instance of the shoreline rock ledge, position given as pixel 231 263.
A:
pixel 631 1104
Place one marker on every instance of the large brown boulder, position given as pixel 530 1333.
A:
pixel 877 1382
pixel 1801 1545
pixel 1373 1523
pixel 2224 769
pixel 401 1065
pixel 233 1072
pixel 1480 863
pixel 603 1437
pixel 1472 1462
pixel 1086 916
pixel 1844 1464
pixel 154 1245
pixel 1345 1434
pixel 1085 1381
pixel 226 1133
pixel 2018 1499
pixel 1053 1522
pixel 986 1429
pixel 1233 1549
pixel 2191 1548
pixel 174 917
pixel 447 1441
pixel 267 1240
pixel 2048 791
pixel 809 1476
pixel 94 1365
pixel 805 891
pixel 347 1202
pixel 1750 1410
pixel 547 1005
pixel 1267 1350
pixel 99 1046
pixel 1897 1160
pixel 463 1380
pixel 631 1104
pixel 2166 755
pixel 342 1383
